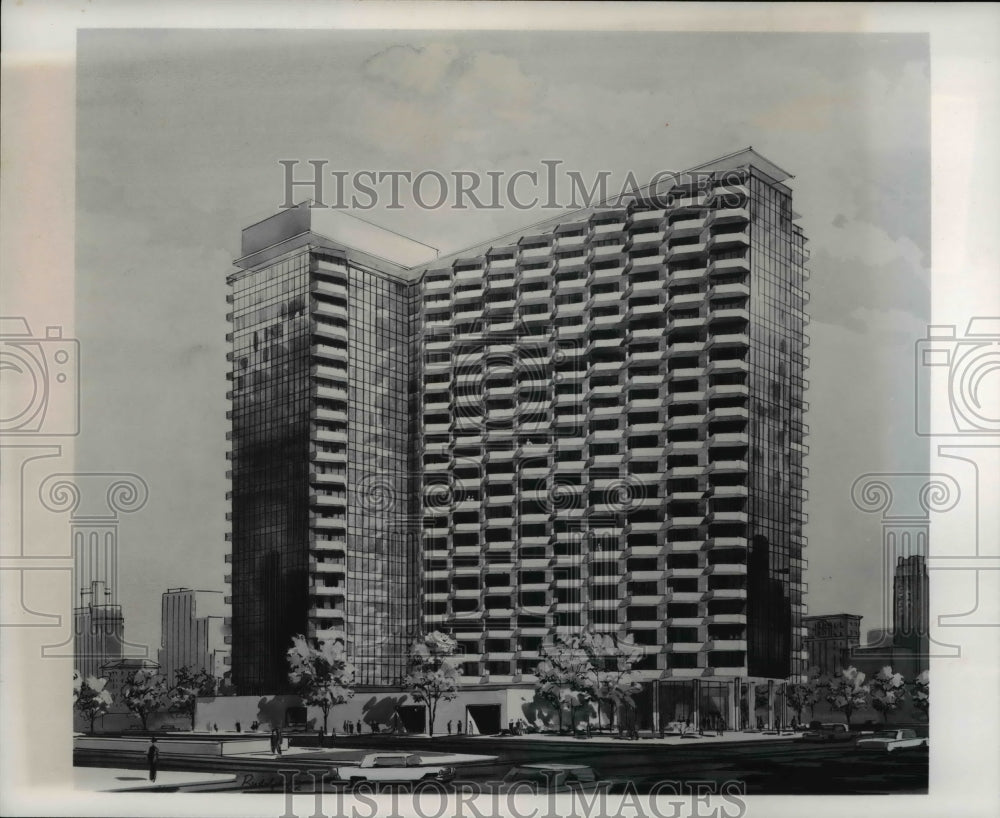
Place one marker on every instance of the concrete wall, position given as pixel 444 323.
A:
pixel 376 707
pixel 173 746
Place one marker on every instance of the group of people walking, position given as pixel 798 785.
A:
pixel 349 727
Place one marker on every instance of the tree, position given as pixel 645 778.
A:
pixel 144 694
pixel 561 677
pixel 188 686
pixel 609 671
pixel 887 691
pixel 800 695
pixel 90 698
pixel 433 674
pixel 922 691
pixel 848 692
pixel 321 675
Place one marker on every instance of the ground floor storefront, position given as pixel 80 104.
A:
pixel 661 706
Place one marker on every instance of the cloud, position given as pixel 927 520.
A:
pixel 442 98
pixel 423 70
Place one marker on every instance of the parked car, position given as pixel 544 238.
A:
pixel 889 740
pixel 828 731
pixel 394 767
pixel 546 778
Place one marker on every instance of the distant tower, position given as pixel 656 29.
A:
pixel 193 632
pixel 99 630
pixel 911 614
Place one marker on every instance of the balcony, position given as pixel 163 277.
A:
pixel 326 613
pixel 728 291
pixel 729 439
pixel 681 277
pixel 728 391
pixel 728 466
pixel 731 315
pixel 684 252
pixel 328 392
pixel 730 215
pixel 684 228
pixel 329 436
pixel 729 241
pixel 329 288
pixel 728 265
pixel 741 339
pixel 727 366
pixel 646 263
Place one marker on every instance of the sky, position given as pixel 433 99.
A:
pixel 179 135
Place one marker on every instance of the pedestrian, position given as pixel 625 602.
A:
pixel 238 730
pixel 153 757
pixel 449 727
pixel 274 742
pixel 281 741
pixel 359 727
pixel 217 727
pixel 460 728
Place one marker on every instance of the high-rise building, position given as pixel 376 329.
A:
pixel 911 611
pixel 616 399
pixel 830 640
pixel 323 394
pixel 598 421
pixel 193 632
pixel 99 630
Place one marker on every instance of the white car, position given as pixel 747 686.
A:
pixel 393 767
pixel 889 740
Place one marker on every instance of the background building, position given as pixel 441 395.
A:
pixel 911 611
pixel 193 632
pixel 830 640
pixel 99 630
pixel 906 648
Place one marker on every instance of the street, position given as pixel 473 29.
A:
pixel 788 767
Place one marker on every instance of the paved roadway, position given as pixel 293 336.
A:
pixel 786 767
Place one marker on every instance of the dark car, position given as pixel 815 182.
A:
pixel 829 731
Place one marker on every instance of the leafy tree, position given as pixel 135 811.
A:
pixel 610 677
pixel 562 677
pixel 922 691
pixel 90 698
pixel 322 675
pixel 802 695
pixel 144 694
pixel 188 686
pixel 847 692
pixel 887 691
pixel 433 674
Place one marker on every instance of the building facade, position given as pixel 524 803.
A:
pixel 99 630
pixel 193 632
pixel 831 640
pixel 911 609
pixel 323 537
pixel 602 428
pixel 612 411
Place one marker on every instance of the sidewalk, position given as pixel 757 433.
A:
pixel 109 779
pixel 645 739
